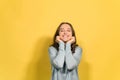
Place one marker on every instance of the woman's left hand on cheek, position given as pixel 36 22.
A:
pixel 72 40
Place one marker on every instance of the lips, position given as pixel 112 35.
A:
pixel 65 36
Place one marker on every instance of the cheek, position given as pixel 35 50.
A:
pixel 61 33
pixel 70 37
pixel 70 34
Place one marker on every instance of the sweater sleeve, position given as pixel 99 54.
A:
pixel 57 57
pixel 72 60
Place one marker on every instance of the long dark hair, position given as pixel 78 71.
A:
pixel 56 45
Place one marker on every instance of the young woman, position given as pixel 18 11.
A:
pixel 65 54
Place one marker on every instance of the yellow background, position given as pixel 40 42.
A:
pixel 27 28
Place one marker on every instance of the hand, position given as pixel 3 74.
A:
pixel 72 40
pixel 58 39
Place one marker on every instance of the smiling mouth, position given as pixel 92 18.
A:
pixel 65 36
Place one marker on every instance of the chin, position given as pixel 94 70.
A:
pixel 65 41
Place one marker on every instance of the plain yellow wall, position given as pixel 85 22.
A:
pixel 27 28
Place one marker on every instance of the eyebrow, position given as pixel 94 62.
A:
pixel 68 28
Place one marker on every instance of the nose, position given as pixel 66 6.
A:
pixel 65 32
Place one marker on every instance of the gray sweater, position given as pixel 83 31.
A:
pixel 63 63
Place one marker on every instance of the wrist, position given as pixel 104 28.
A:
pixel 61 44
pixel 68 42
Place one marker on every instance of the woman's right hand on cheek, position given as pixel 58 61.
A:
pixel 58 39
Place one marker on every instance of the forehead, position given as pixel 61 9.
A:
pixel 65 26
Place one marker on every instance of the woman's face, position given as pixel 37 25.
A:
pixel 65 32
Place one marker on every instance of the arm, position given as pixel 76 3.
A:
pixel 72 60
pixel 57 57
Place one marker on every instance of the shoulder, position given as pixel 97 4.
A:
pixel 52 48
pixel 78 48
